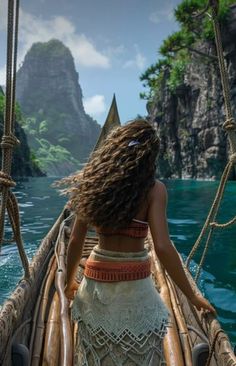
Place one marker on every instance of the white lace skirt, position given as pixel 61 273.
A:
pixel 119 323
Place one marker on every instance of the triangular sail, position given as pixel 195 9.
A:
pixel 112 120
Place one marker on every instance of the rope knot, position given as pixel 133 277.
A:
pixel 9 141
pixel 229 124
pixel 232 158
pixel 6 180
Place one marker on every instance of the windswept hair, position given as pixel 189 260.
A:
pixel 111 188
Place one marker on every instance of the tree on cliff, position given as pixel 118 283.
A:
pixel 176 49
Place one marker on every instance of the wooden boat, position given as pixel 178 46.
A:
pixel 35 325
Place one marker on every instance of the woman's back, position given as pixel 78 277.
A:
pixel 123 242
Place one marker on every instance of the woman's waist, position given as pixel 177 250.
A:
pixel 126 248
pixel 106 255
pixel 109 266
pixel 135 229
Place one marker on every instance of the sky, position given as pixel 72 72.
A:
pixel 112 42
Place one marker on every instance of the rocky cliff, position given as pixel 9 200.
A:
pixel 50 96
pixel 190 116
pixel 22 163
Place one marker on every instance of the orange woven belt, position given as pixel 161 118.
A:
pixel 117 271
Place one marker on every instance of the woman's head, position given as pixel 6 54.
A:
pixel 115 182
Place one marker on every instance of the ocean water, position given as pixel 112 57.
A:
pixel 189 203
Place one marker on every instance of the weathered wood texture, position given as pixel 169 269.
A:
pixel 52 336
pixel 19 307
pixel 66 345
pixel 40 326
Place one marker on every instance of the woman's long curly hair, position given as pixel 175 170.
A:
pixel 113 185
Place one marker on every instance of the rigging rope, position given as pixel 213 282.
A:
pixel 9 140
pixel 230 127
pixel 212 346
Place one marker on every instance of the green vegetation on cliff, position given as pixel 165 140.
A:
pixel 42 155
pixel 176 50
pixel 43 152
pixel 184 93
pixel 23 163
pixel 59 131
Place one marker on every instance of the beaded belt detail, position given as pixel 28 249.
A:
pixel 117 271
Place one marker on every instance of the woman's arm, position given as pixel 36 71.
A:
pixel 165 251
pixel 75 249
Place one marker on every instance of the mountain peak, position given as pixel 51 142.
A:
pixel 48 90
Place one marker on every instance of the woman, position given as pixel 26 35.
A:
pixel 122 319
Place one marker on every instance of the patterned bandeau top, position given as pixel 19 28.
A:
pixel 136 229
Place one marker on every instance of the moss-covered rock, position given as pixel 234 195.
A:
pixel 23 164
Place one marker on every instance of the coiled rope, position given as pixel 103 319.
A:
pixel 9 140
pixel 230 127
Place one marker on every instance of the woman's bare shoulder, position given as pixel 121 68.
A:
pixel 158 191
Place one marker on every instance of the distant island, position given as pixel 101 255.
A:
pixel 59 132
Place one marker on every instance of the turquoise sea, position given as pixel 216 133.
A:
pixel 189 202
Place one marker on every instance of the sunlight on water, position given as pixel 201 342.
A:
pixel 39 206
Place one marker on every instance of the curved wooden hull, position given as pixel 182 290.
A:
pixel 42 322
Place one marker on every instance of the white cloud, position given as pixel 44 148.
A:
pixel 95 105
pixel 3 75
pixel 166 13
pixel 85 53
pixel 35 29
pixel 138 61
